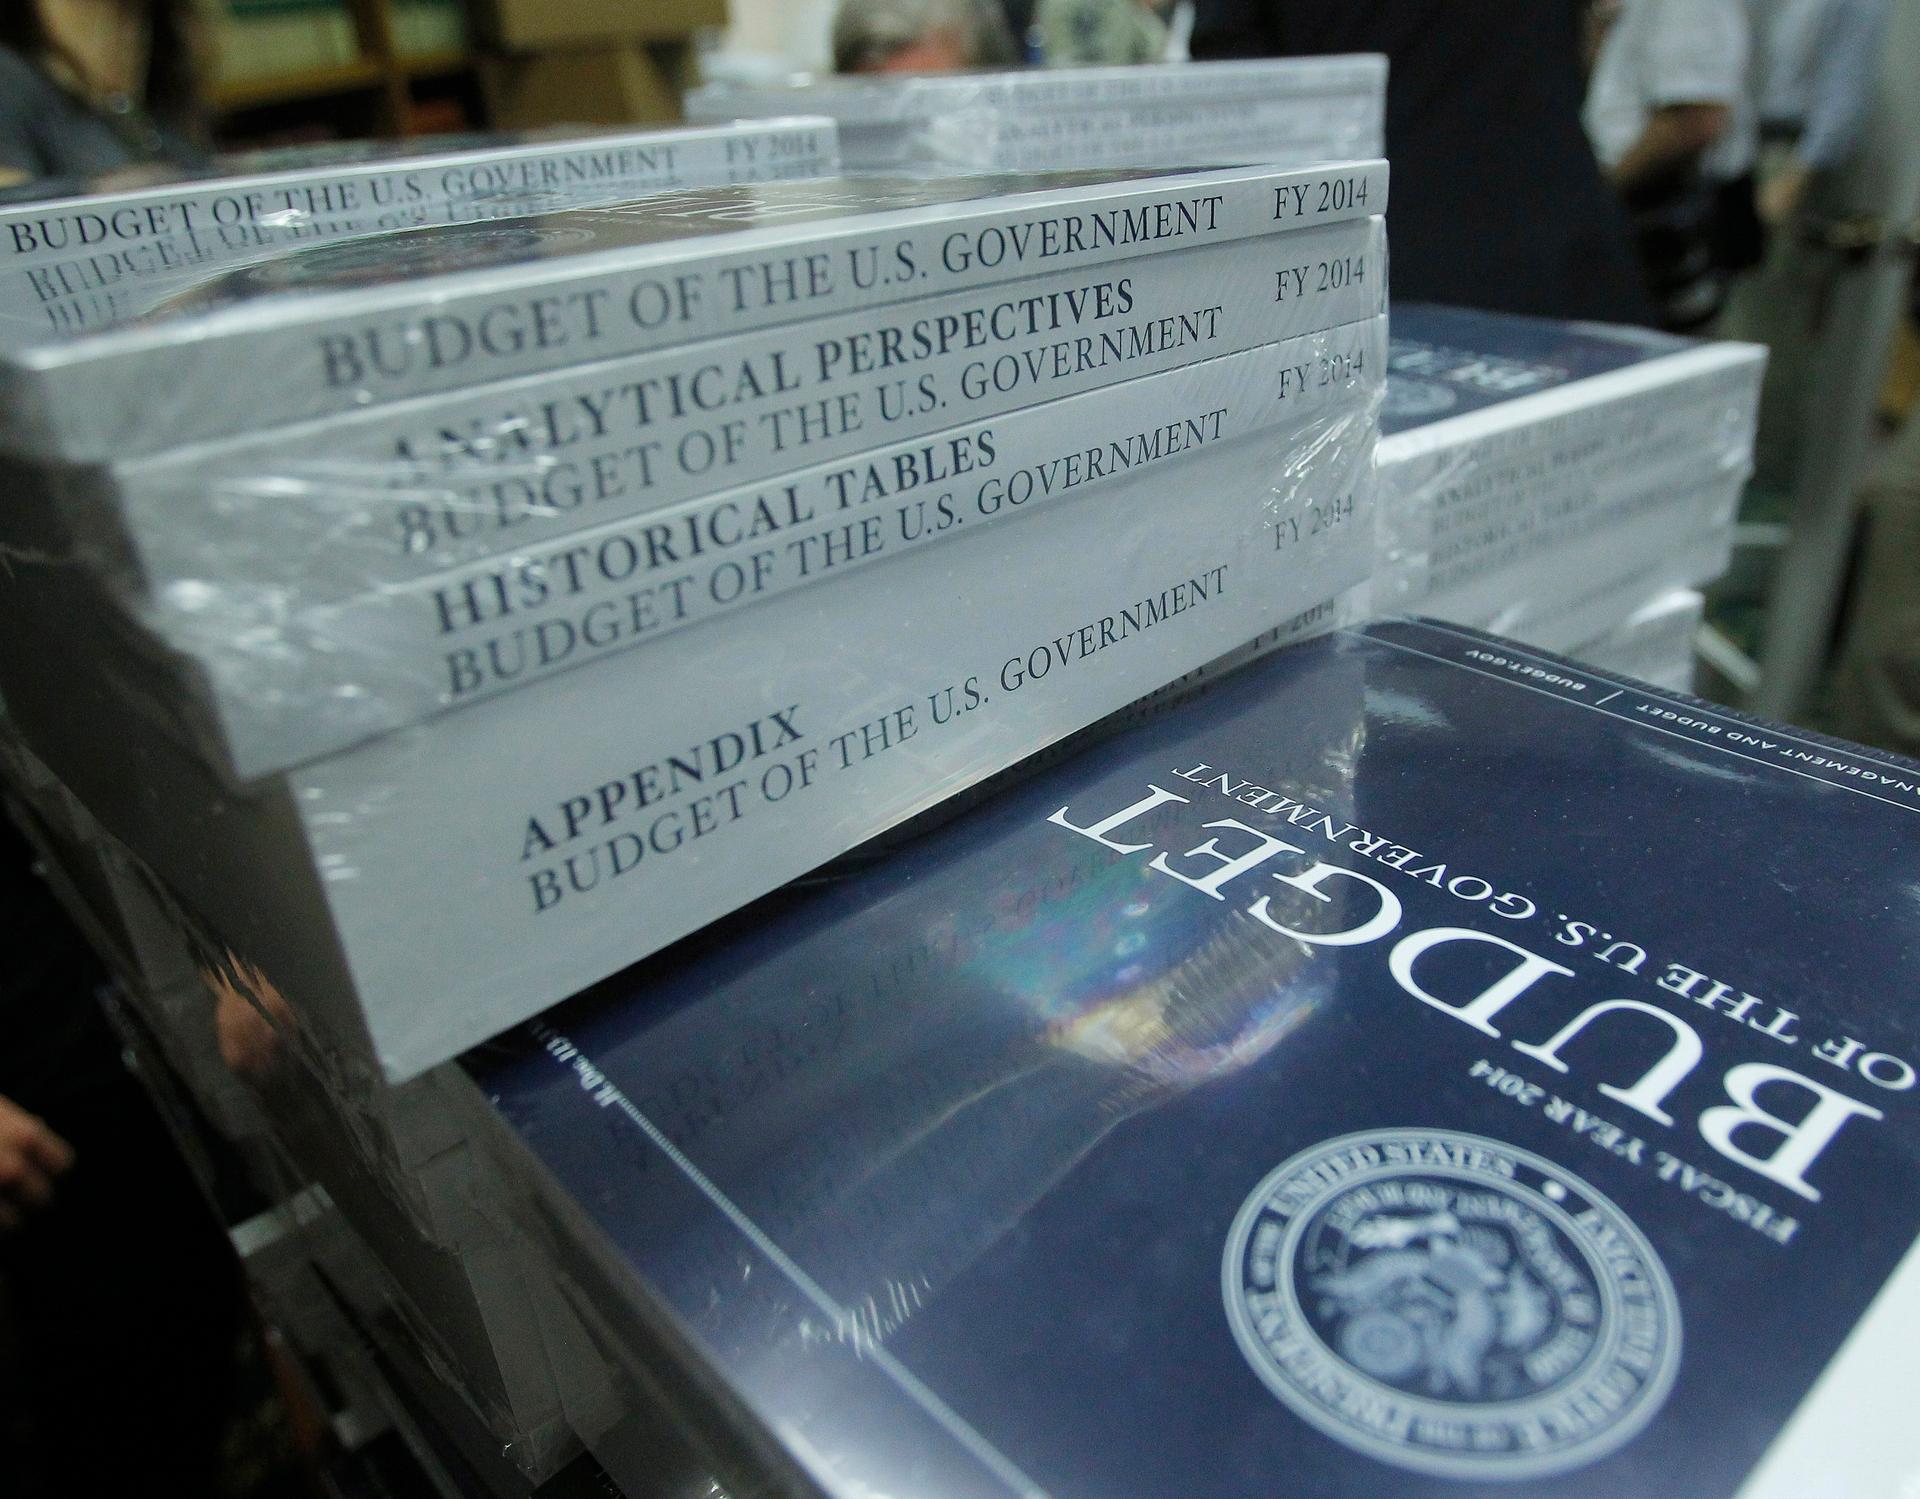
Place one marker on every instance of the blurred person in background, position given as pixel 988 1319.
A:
pixel 1497 201
pixel 1818 65
pixel 1819 61
pixel 1671 112
pixel 921 36
pixel 89 87
pixel 1112 33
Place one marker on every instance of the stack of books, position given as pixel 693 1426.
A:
pixel 444 1287
pixel 1559 483
pixel 1039 1036
pixel 97 254
pixel 1278 1088
pixel 525 596
pixel 385 1196
pixel 408 630
pixel 1282 110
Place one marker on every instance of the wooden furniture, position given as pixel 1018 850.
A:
pixel 377 94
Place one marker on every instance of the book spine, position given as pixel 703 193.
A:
pixel 441 883
pixel 283 208
pixel 269 526
pixel 1561 613
pixel 1292 80
pixel 288 691
pixel 81 267
pixel 552 310
pixel 600 814
pixel 1500 503
pixel 1156 132
pixel 1162 135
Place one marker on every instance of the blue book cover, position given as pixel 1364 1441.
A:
pixel 1410 1066
pixel 1448 361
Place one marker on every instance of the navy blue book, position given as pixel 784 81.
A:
pixel 1411 1066
pixel 1448 361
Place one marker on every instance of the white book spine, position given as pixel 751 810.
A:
pixel 234 533
pixel 1560 493
pixel 1157 134
pixel 1066 90
pixel 294 207
pixel 99 262
pixel 143 389
pixel 292 690
pixel 1555 612
pixel 425 890
pixel 1141 136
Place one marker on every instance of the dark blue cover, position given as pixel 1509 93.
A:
pixel 1446 361
pixel 1015 1164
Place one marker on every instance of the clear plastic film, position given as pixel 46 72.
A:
pixel 293 595
pixel 976 1057
pixel 1655 643
pixel 403 1169
pixel 433 1363
pixel 111 253
pixel 1160 115
pixel 1315 1081
pixel 342 327
pixel 399 1164
pixel 98 887
pixel 425 889
pixel 1543 480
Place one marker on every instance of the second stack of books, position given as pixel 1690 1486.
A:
pixel 1289 111
pixel 1564 484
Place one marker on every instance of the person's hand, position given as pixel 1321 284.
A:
pixel 1779 196
pixel 31 1156
pixel 247 1015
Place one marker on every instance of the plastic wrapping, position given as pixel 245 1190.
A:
pixel 280 1249
pixel 339 328
pixel 258 685
pixel 102 894
pixel 1415 1064
pixel 1175 115
pixel 79 249
pixel 1544 479
pixel 1654 643
pixel 79 266
pixel 438 1259
pixel 443 1257
pixel 255 529
pixel 424 890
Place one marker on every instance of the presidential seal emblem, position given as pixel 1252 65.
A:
pixel 1451 1305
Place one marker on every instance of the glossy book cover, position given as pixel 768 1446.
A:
pixel 1411 1066
pixel 1448 361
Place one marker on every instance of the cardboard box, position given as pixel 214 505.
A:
pixel 531 25
pixel 609 84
